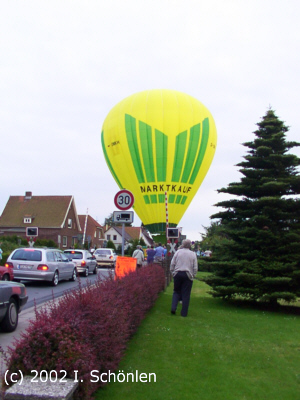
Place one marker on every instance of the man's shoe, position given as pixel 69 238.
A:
pixel 173 312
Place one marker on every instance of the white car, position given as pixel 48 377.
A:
pixel 84 260
pixel 105 257
pixel 40 264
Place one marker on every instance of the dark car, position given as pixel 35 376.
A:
pixel 6 273
pixel 13 297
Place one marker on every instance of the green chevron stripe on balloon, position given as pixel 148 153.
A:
pixel 161 147
pixel 203 145
pixel 191 153
pixel 130 128
pixel 145 131
pixel 179 155
pixel 108 162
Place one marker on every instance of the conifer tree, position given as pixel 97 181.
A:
pixel 261 259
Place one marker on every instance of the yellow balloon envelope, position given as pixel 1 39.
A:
pixel 159 143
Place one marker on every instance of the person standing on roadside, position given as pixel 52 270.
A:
pixel 159 253
pixel 150 255
pixel 139 255
pixel 184 267
pixel 0 253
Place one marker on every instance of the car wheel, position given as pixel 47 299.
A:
pixel 5 277
pixel 86 272
pixel 10 321
pixel 95 270
pixel 55 279
pixel 74 275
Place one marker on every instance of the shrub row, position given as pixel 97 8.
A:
pixel 88 328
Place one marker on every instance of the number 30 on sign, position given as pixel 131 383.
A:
pixel 124 200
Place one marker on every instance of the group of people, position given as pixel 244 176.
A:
pixel 156 254
pixel 153 254
pixel 184 267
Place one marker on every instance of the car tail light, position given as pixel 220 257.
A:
pixel 8 265
pixel 43 267
pixel 111 257
pixel 83 263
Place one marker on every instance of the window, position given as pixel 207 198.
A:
pixel 70 223
pixel 103 252
pixel 27 255
pixel 108 237
pixel 27 220
pixel 65 241
pixel 50 256
pixel 58 254
pixel 115 237
pixel 95 234
pixel 75 254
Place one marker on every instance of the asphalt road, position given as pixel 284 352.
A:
pixel 40 292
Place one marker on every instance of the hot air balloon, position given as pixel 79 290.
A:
pixel 159 145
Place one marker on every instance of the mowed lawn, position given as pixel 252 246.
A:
pixel 220 351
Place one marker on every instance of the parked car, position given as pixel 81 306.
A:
pixel 41 264
pixel 6 273
pixel 105 257
pixel 13 297
pixel 84 260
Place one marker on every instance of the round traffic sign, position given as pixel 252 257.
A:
pixel 124 200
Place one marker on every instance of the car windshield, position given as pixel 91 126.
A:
pixel 27 255
pixel 76 255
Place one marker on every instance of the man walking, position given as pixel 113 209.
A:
pixel 184 267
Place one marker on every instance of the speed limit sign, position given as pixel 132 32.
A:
pixel 124 200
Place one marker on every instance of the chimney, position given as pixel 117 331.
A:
pixel 28 195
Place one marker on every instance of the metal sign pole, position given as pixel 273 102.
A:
pixel 123 239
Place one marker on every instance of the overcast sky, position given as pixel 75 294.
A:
pixel 65 64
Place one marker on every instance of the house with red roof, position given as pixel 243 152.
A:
pixel 55 217
pixel 92 231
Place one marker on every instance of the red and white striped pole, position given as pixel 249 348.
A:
pixel 167 215
pixel 167 212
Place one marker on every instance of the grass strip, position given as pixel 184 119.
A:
pixel 221 351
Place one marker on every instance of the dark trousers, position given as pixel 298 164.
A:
pixel 182 291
